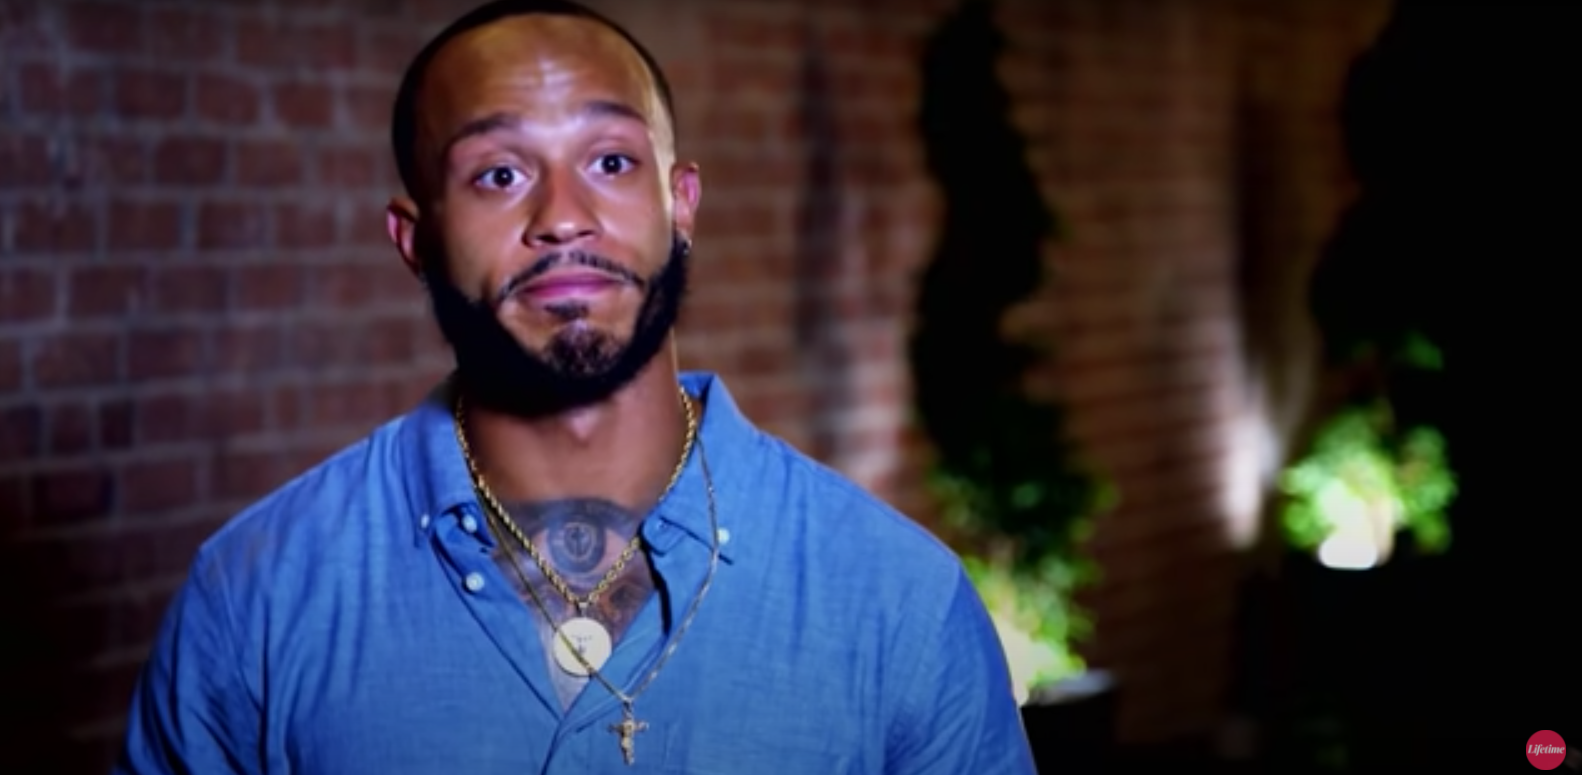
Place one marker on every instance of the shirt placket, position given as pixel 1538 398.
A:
pixel 589 718
pixel 464 547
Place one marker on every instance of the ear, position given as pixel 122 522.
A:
pixel 401 217
pixel 686 188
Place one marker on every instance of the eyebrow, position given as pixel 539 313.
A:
pixel 496 122
pixel 612 109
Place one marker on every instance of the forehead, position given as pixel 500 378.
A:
pixel 536 66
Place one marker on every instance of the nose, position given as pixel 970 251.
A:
pixel 561 214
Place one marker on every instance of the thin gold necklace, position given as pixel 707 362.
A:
pixel 629 725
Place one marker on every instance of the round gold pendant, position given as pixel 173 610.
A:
pixel 590 639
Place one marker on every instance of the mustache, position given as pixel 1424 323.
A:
pixel 567 258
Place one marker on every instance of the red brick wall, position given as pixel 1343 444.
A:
pixel 1192 150
pixel 197 299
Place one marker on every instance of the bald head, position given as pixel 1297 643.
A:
pixel 554 49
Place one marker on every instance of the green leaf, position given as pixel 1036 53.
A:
pixel 1359 464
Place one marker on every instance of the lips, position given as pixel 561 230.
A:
pixel 557 285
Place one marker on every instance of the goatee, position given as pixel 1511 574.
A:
pixel 580 365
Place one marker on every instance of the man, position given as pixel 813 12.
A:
pixel 572 558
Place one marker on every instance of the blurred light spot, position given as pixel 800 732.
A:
pixel 1346 551
pixel 1250 463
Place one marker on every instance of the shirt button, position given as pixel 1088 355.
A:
pixel 469 524
pixel 423 522
pixel 724 535
pixel 474 582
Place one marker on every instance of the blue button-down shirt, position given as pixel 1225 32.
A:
pixel 353 622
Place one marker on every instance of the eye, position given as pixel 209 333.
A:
pixel 613 164
pixel 499 177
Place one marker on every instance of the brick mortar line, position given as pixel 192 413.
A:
pixel 135 322
pixel 109 729
pixel 202 451
pixel 107 122
pixel 134 592
pixel 185 258
pixel 201 323
pixel 196 195
pixel 116 659
pixel 190 195
pixel 116 526
pixel 295 376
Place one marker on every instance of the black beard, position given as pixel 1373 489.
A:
pixel 579 366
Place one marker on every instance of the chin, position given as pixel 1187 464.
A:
pixel 537 336
pixel 578 335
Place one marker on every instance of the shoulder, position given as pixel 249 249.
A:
pixel 324 511
pixel 873 564
pixel 848 529
pixel 790 507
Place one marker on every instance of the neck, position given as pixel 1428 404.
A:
pixel 623 449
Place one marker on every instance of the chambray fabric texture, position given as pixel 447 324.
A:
pixel 353 622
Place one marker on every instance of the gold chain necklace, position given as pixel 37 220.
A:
pixel 544 567
pixel 629 725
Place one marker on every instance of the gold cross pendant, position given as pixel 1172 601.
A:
pixel 628 729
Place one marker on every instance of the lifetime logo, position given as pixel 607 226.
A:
pixel 1545 750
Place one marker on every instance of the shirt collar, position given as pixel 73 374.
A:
pixel 437 481
pixel 725 440
pixel 435 475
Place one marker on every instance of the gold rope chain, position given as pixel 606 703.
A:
pixel 544 567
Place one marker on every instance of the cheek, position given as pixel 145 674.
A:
pixel 651 246
pixel 639 219
pixel 478 253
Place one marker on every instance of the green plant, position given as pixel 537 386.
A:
pixel 1027 585
pixel 1360 467
pixel 1015 502
pixel 1365 471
